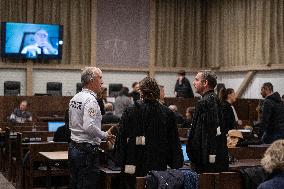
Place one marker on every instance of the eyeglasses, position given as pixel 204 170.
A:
pixel 42 35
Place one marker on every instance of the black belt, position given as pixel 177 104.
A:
pixel 84 145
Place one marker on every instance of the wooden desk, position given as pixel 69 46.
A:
pixel 50 118
pixel 50 158
pixel 55 156
pixel 107 174
pixel 237 165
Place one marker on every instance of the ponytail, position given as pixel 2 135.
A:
pixel 223 95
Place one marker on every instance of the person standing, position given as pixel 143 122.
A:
pixel 135 94
pixel 183 87
pixel 148 137
pixel 86 135
pixel 272 119
pixel 228 97
pixel 207 138
pixel 122 101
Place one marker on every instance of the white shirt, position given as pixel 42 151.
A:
pixel 85 118
pixel 235 113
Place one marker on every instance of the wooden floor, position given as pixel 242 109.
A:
pixel 4 184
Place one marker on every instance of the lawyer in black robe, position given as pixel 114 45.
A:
pixel 208 133
pixel 154 123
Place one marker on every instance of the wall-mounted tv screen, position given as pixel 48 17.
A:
pixel 31 41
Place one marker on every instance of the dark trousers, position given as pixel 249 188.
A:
pixel 84 166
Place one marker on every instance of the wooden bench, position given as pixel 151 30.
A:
pixel 250 152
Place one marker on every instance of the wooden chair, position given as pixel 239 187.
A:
pixel 32 171
pixel 17 162
pixel 7 154
pixel 2 147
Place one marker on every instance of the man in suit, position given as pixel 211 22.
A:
pixel 109 117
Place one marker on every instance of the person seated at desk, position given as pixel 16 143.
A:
pixel 272 163
pixel 227 98
pixel 63 133
pixel 21 115
pixel 109 117
pixel 188 118
pixel 40 47
pixel 179 118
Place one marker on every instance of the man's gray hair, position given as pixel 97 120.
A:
pixel 87 74
pixel 211 77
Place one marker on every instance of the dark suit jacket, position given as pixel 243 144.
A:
pixel 109 117
pixel 229 117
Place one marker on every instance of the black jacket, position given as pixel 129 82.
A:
pixel 157 123
pixel 135 95
pixel 184 89
pixel 272 119
pixel 229 117
pixel 202 137
pixel 109 117
pixel 62 134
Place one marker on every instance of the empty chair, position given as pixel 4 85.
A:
pixel 79 87
pixel 54 88
pixel 12 88
pixel 114 89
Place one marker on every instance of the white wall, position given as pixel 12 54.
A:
pixel 234 80
pixel 126 78
pixel 69 78
pixel 13 75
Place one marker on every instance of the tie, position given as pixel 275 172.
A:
pixel 41 50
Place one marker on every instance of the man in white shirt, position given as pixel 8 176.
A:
pixel 85 125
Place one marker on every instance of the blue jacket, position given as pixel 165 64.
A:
pixel 276 182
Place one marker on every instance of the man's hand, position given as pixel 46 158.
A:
pixel 111 138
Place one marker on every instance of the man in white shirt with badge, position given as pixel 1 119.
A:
pixel 86 134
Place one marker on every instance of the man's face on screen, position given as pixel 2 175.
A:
pixel 41 37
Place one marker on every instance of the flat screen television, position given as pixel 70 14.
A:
pixel 53 125
pixel 185 157
pixel 31 41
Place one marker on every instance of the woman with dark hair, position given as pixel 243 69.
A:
pixel 227 98
pixel 148 137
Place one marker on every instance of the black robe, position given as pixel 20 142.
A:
pixel 229 117
pixel 202 137
pixel 157 123
pixel 184 89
